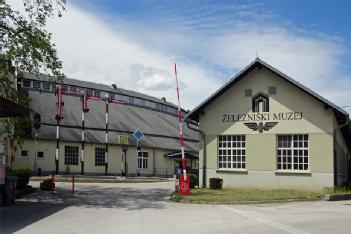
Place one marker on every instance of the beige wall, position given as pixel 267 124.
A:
pixel 261 153
pixel 115 165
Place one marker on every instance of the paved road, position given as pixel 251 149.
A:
pixel 144 208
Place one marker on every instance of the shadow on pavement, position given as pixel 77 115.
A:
pixel 24 213
pixel 40 204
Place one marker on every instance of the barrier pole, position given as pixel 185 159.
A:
pixel 180 120
pixel 72 184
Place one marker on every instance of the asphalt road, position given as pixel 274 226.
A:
pixel 144 208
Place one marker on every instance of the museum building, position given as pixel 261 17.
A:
pixel 264 129
pixel 108 149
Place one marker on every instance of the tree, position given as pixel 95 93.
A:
pixel 25 46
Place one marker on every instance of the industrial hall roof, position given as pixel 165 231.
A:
pixel 155 117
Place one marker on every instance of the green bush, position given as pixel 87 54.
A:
pixel 23 175
pixel 194 180
pixel 216 183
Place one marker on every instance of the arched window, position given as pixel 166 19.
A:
pixel 260 103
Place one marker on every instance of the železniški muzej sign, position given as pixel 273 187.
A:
pixel 271 119
pixel 262 117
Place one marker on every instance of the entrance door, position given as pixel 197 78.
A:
pixel 124 164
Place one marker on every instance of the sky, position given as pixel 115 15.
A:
pixel 134 43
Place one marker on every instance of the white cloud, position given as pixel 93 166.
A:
pixel 313 61
pixel 305 58
pixel 92 51
pixel 209 45
pixel 151 78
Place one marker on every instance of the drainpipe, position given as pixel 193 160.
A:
pixel 203 136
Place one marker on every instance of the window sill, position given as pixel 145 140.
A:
pixel 232 170
pixel 292 172
pixel 23 157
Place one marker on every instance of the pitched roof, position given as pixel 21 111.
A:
pixel 341 114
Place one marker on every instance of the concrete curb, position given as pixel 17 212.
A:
pixel 337 197
pixel 242 202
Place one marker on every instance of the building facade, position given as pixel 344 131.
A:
pixel 156 118
pixel 264 129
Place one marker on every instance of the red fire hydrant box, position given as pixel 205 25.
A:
pixel 184 186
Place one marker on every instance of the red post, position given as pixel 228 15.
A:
pixel 72 184
pixel 59 101
pixel 184 185
pixel 53 182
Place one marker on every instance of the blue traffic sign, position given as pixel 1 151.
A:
pixel 138 134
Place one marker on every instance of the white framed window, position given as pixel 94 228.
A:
pixel 232 152
pixel 40 155
pixel 99 156
pixel 71 155
pixel 73 88
pixel 90 92
pixel 143 158
pixel 64 87
pixel 46 85
pixel 96 93
pixel 24 153
pixel 138 101
pixel 111 95
pixel 293 152
pixel 36 84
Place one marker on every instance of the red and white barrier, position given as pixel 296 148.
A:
pixel 184 181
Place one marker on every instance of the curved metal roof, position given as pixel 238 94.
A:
pixel 161 129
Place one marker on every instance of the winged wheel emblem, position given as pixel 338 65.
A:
pixel 260 127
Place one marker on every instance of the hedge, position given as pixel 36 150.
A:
pixel 23 175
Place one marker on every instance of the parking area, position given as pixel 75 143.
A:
pixel 144 208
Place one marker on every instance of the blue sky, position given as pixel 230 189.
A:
pixel 134 43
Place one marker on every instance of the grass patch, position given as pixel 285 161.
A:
pixel 240 195
pixel 337 190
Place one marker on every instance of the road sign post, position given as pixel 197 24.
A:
pixel 138 135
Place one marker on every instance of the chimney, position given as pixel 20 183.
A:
pixel 114 86
pixel 163 99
